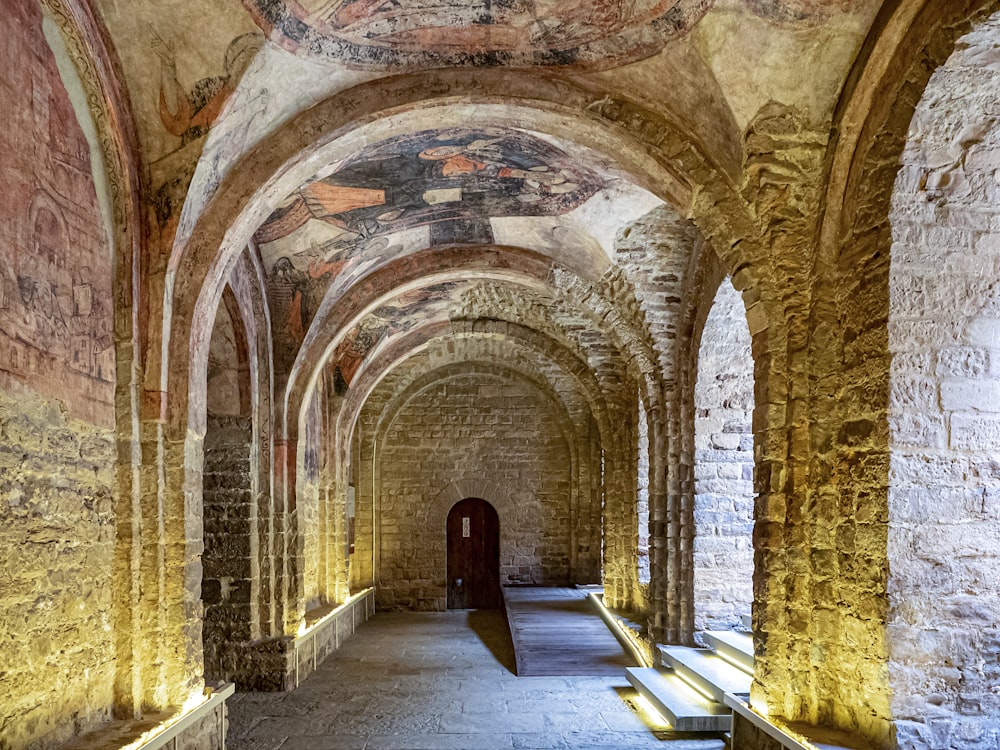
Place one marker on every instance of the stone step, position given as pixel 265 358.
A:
pixel 735 646
pixel 685 708
pixel 747 621
pixel 706 671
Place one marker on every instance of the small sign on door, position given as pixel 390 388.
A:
pixel 466 531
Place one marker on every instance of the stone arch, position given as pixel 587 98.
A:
pixel 205 248
pixel 943 410
pixel 849 359
pixel 536 345
pixel 722 551
pixel 247 286
pixel 535 530
pixel 496 493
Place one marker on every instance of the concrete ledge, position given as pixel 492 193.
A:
pixel 753 731
pixel 324 633
pixel 628 638
pixel 203 726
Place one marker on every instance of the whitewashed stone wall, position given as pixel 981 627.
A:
pixel 723 471
pixel 944 418
pixel 642 490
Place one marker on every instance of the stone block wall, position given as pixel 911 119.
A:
pixel 57 540
pixel 494 430
pixel 944 410
pixel 229 582
pixel 723 471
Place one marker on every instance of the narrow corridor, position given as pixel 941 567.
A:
pixel 444 681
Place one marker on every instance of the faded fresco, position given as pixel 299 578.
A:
pixel 792 11
pixel 429 188
pixel 450 180
pixel 388 33
pixel 187 109
pixel 397 316
pixel 56 326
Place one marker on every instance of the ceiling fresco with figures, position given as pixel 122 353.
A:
pixel 594 34
pixel 462 186
pixel 397 316
pixel 450 181
pixel 210 81
pixel 397 33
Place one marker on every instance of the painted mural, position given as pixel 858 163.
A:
pixel 188 113
pixel 187 110
pixel 450 180
pixel 796 11
pixel 395 317
pixel 429 188
pixel 394 33
pixel 56 325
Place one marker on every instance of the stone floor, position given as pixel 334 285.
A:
pixel 444 681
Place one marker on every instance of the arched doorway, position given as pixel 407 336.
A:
pixel 473 555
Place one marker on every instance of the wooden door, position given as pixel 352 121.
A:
pixel 473 555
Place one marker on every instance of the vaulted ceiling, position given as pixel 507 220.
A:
pixel 379 231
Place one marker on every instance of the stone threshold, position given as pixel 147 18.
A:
pixel 204 725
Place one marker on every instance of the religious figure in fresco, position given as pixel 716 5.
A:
pixel 450 180
pixel 302 290
pixel 384 33
pixel 189 114
pixel 397 316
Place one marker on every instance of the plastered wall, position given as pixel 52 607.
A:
pixel 57 449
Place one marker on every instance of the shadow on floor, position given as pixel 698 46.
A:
pixel 491 628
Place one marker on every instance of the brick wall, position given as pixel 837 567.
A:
pixel 230 565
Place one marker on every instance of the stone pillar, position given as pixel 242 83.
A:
pixel 289 583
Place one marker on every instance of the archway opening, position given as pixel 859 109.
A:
pixel 944 399
pixel 473 532
pixel 642 490
pixel 723 504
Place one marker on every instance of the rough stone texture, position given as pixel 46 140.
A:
pixel 642 490
pixel 58 653
pixel 230 559
pixel 452 687
pixel 943 322
pixel 747 736
pixel 228 588
pixel 873 579
pixel 563 378
pixel 58 544
pixel 723 469
pixel 494 429
pixel 207 732
pixel 57 370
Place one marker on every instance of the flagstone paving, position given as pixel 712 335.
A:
pixel 445 681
